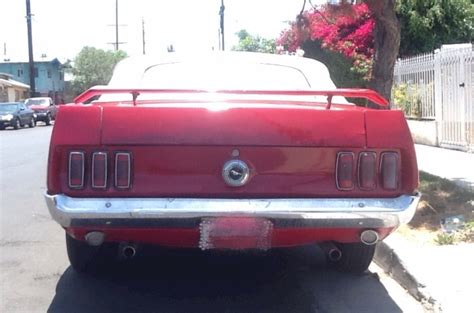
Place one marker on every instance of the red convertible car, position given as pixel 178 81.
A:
pixel 228 151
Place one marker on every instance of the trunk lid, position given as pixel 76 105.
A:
pixel 291 151
pixel 243 126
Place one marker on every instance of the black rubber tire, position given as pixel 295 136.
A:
pixel 356 257
pixel 2 127
pixel 48 119
pixel 17 124
pixel 88 259
pixel 32 123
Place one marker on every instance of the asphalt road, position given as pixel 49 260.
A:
pixel 35 275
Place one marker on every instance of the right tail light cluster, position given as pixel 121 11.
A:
pixel 99 170
pixel 366 171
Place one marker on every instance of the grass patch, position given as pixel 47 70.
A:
pixel 441 199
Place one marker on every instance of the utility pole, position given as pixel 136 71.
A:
pixel 116 26
pixel 117 43
pixel 143 34
pixel 30 50
pixel 221 13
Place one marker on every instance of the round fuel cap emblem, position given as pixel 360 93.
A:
pixel 235 173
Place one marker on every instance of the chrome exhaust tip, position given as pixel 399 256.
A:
pixel 369 237
pixel 95 238
pixel 129 251
pixel 333 253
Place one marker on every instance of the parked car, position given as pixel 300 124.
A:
pixel 16 115
pixel 229 151
pixel 44 108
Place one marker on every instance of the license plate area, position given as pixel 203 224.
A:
pixel 235 233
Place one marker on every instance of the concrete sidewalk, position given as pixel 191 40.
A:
pixel 439 276
pixel 456 166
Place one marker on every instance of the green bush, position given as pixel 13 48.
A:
pixel 407 98
pixel 445 239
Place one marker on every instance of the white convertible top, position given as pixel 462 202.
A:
pixel 223 70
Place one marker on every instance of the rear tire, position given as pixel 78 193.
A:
pixel 17 124
pixel 356 257
pixel 32 123
pixel 48 119
pixel 85 258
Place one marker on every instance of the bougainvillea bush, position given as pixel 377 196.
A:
pixel 342 29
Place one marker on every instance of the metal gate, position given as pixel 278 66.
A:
pixel 454 68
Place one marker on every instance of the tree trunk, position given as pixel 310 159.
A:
pixel 387 44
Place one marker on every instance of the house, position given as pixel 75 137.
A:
pixel 49 76
pixel 12 90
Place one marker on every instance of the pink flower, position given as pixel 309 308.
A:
pixel 348 32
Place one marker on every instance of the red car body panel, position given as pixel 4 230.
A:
pixel 178 147
pixel 189 237
pixel 178 152
pixel 389 129
pixel 234 126
pixel 180 171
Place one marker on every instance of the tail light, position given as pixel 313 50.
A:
pixel 371 173
pixel 389 169
pixel 345 171
pixel 122 170
pixel 99 170
pixel 367 170
pixel 76 170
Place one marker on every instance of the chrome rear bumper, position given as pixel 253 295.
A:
pixel 340 212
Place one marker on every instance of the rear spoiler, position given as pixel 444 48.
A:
pixel 349 92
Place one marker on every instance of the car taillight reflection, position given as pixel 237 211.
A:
pixel 367 170
pixel 99 170
pixel 369 175
pixel 85 169
pixel 122 170
pixel 389 168
pixel 345 171
pixel 76 170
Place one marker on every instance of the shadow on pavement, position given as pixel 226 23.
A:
pixel 290 280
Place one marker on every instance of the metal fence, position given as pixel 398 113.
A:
pixel 440 86
pixel 414 86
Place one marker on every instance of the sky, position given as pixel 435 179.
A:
pixel 62 27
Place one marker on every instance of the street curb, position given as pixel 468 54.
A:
pixel 389 261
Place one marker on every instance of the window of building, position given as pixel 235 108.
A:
pixel 61 75
pixel 36 72
pixel 19 72
pixel 49 73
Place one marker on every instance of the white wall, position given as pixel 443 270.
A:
pixel 424 132
pixel 11 94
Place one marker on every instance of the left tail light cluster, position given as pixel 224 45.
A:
pixel 367 170
pixel 98 170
